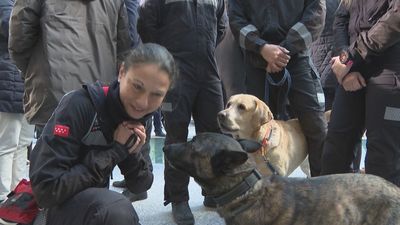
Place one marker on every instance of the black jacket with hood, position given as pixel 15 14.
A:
pixel 76 150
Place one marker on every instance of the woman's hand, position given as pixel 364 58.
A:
pixel 340 69
pixel 126 129
pixel 353 82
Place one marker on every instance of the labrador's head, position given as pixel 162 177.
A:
pixel 243 116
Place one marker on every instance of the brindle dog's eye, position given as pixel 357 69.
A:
pixel 241 107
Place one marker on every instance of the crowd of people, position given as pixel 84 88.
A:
pixel 88 76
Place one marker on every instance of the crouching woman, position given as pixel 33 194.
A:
pixel 92 130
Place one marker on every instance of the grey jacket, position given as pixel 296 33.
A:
pixel 61 44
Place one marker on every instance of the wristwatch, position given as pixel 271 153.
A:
pixel 345 57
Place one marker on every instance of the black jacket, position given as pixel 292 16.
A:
pixel 190 30
pixel 76 150
pixel 11 83
pixel 293 24
pixel 370 30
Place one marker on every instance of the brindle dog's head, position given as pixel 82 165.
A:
pixel 243 116
pixel 212 159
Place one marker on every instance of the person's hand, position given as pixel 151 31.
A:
pixel 353 82
pixel 277 57
pixel 126 129
pixel 273 68
pixel 340 69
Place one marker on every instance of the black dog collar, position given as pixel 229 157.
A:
pixel 238 190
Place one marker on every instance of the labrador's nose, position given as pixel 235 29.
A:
pixel 221 116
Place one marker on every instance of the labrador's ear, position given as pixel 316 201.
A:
pixel 226 160
pixel 249 146
pixel 263 112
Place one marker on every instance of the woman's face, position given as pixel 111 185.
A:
pixel 142 89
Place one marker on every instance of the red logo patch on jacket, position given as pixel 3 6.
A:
pixel 61 130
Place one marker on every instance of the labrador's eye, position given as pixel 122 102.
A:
pixel 228 105
pixel 241 107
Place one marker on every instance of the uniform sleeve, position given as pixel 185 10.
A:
pixel 222 20
pixel 149 20
pixel 244 32
pixel 124 40
pixel 383 35
pixel 340 29
pixel 5 11
pixel 60 166
pixel 24 31
pixel 308 29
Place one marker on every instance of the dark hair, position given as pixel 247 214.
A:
pixel 151 53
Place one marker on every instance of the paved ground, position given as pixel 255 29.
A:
pixel 152 211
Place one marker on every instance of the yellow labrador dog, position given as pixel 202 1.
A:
pixel 284 144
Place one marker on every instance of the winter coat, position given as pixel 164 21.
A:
pixel 370 30
pixel 293 24
pixel 61 44
pixel 11 83
pixel 76 150
pixel 322 49
pixel 190 30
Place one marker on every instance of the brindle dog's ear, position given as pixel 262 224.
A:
pixel 249 145
pixel 226 160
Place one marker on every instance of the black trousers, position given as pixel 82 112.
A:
pixel 375 108
pixel 329 99
pixel 157 121
pixel 306 99
pixel 202 101
pixel 94 206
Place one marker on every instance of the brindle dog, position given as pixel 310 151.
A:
pixel 220 165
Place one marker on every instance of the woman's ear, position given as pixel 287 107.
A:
pixel 121 72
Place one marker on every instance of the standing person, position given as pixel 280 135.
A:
pixel 230 65
pixel 92 130
pixel 157 121
pixel 132 7
pixel 322 50
pixel 368 71
pixel 61 44
pixel 190 30
pixel 15 132
pixel 274 40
